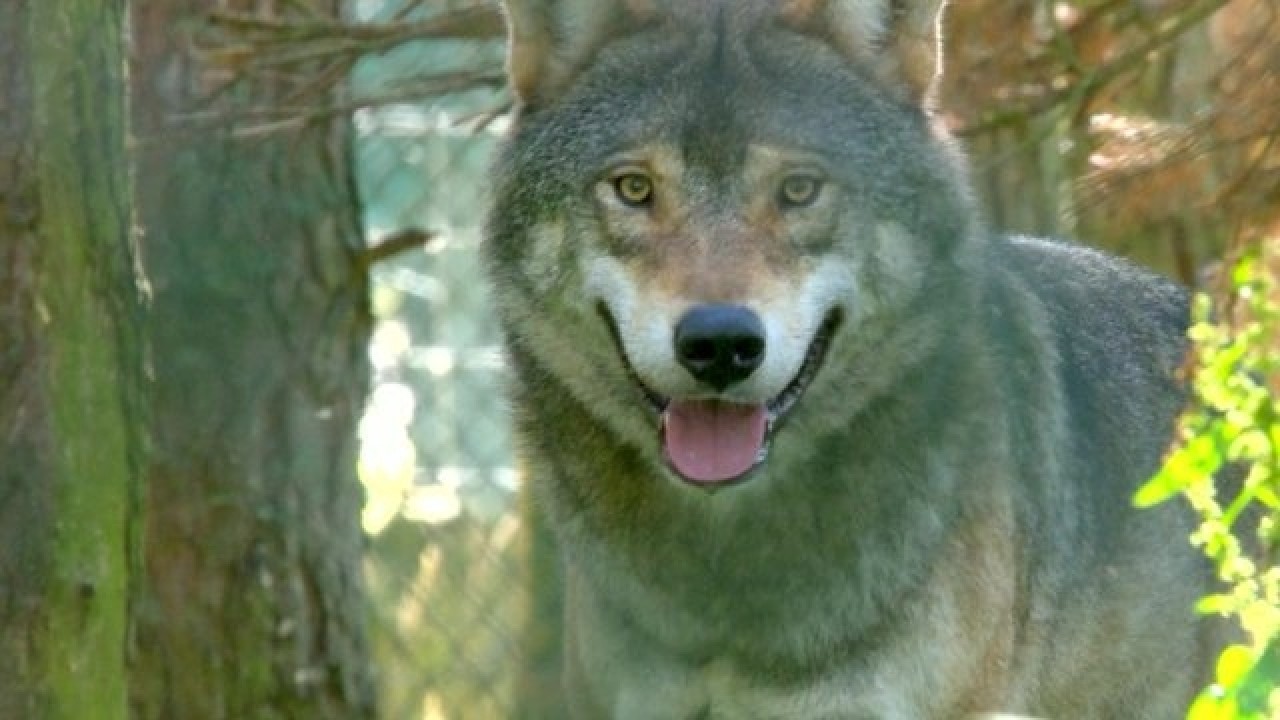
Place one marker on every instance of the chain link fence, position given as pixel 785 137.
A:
pixel 436 447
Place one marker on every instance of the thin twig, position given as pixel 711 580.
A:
pixel 394 244
pixel 474 22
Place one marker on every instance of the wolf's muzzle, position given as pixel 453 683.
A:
pixel 713 442
pixel 720 344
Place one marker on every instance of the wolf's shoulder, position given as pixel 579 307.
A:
pixel 1110 319
pixel 1107 290
pixel 1112 337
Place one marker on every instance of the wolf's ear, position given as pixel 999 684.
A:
pixel 550 40
pixel 900 39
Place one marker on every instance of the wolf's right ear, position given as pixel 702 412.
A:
pixel 900 39
pixel 550 40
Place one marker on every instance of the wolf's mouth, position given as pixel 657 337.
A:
pixel 713 442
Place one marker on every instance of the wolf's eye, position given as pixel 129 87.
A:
pixel 799 191
pixel 634 189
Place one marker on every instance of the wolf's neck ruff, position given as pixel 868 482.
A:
pixel 712 441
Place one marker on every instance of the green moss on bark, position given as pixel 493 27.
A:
pixel 86 304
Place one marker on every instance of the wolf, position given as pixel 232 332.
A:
pixel 815 442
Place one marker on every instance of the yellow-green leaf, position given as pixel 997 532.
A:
pixel 1233 663
pixel 1216 605
pixel 1210 707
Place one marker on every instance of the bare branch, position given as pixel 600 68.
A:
pixel 394 244
pixel 474 22
pixel 314 54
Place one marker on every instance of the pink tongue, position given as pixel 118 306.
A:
pixel 710 441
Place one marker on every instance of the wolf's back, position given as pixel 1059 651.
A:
pixel 1117 334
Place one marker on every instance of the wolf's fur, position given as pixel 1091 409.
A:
pixel 942 525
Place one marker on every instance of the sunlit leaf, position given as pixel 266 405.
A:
pixel 1233 663
pixel 1245 270
pixel 1209 707
pixel 1266 494
pixel 1158 489
pixel 1254 690
pixel 1196 460
pixel 1216 605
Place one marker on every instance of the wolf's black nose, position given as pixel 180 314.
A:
pixel 720 344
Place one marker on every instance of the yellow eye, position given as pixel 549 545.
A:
pixel 799 190
pixel 634 189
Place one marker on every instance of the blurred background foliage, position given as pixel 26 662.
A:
pixel 1147 127
pixel 1226 464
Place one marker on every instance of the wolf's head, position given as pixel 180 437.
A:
pixel 711 215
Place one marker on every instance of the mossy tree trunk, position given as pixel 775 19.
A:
pixel 70 362
pixel 259 327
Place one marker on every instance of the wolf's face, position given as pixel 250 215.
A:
pixel 719 291
pixel 720 216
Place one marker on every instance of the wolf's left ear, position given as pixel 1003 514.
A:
pixel 900 39
pixel 550 40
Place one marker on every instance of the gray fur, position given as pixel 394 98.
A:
pixel 943 525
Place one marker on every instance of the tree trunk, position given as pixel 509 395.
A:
pixel 259 331
pixel 70 362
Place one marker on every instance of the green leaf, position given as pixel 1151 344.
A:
pixel 1199 459
pixel 1234 662
pixel 1263 492
pixel 1211 707
pixel 1216 605
pixel 1254 691
pixel 1158 489
pixel 1245 270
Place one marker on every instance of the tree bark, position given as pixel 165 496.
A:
pixel 259 327
pixel 70 362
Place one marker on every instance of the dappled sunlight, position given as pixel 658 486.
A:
pixel 441 563
pixel 387 454
pixel 433 504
